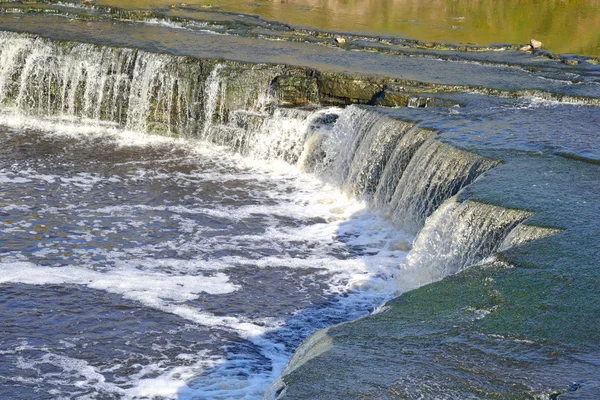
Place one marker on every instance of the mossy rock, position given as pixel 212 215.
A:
pixel 296 88
pixel 347 89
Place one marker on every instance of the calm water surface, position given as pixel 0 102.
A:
pixel 563 26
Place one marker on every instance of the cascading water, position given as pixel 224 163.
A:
pixel 524 233
pixel 212 90
pixel 443 171
pixel 458 235
pixel 87 82
pixel 359 147
pixel 395 166
pixel 137 90
pixel 399 169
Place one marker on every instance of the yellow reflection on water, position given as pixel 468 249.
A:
pixel 565 26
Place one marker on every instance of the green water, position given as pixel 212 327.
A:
pixel 563 26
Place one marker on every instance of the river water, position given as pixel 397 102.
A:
pixel 132 263
pixel 564 27
pixel 171 229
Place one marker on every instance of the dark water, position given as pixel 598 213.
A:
pixel 131 264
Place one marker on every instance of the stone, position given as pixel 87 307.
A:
pixel 341 89
pixel 296 87
pixel 536 44
pixel 340 40
pixel 526 48
pixel 570 61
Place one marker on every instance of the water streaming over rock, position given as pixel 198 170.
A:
pixel 399 169
pixel 525 233
pixel 456 236
pixel 442 170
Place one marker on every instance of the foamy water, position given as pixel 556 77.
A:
pixel 139 266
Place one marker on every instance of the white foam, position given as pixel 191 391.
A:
pixel 10 178
pixel 15 207
pixel 145 383
pixel 142 286
pixel 166 283
pixel 78 371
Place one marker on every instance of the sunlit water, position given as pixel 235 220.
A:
pixel 563 26
pixel 135 266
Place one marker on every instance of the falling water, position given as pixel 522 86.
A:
pixel 398 169
pixel 458 235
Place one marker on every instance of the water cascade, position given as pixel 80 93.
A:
pixel 398 168
pixel 395 166
pixel 458 235
pixel 134 89
pixel 524 233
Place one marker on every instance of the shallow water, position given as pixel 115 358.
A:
pixel 483 123
pixel 564 27
pixel 132 263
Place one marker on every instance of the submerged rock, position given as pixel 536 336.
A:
pixel 526 48
pixel 570 61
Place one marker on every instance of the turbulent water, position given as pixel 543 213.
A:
pixel 131 264
pixel 176 227
pixel 168 266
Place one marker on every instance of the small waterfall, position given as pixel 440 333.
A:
pixel 212 89
pixel 283 135
pixel 11 56
pixel 145 82
pixel 393 165
pixel 397 167
pixel 524 233
pixel 401 156
pixel 358 148
pixel 70 81
pixel 442 170
pixel 134 89
pixel 456 236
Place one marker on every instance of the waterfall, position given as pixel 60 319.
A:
pixel 524 233
pixel 398 161
pixel 37 78
pixel 146 77
pixel 212 88
pixel 134 89
pixel 444 170
pixel 398 168
pixel 458 235
pixel 358 148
